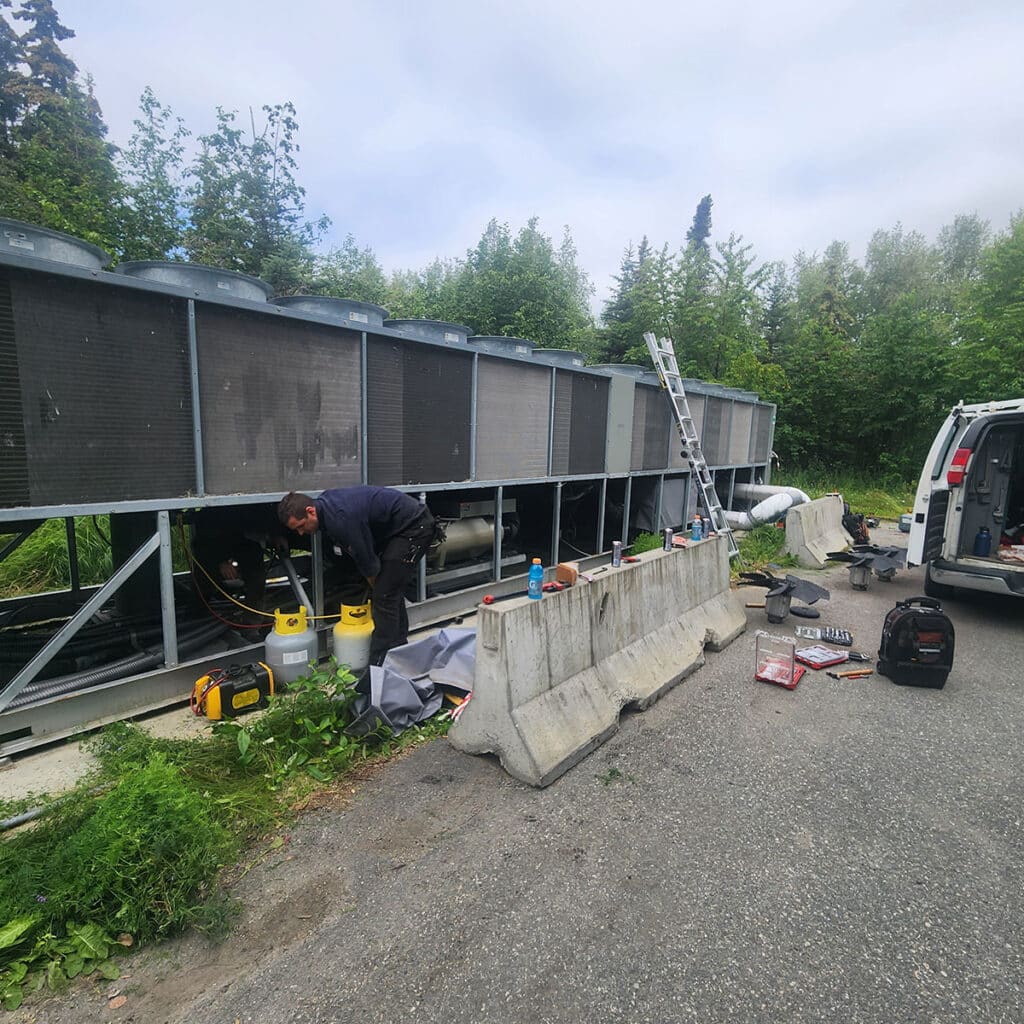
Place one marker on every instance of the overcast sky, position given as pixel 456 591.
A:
pixel 806 120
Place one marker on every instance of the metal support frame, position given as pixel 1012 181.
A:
pixel 73 567
pixel 625 510
pixel 658 503
pixel 148 691
pixel 71 627
pixel 556 523
pixel 317 552
pixel 421 571
pixel 499 531
pixel 23 535
pixel 168 614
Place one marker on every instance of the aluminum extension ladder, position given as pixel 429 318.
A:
pixel 664 355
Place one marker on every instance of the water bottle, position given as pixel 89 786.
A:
pixel 616 553
pixel 696 529
pixel 983 542
pixel 535 581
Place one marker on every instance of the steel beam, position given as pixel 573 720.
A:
pixel 71 627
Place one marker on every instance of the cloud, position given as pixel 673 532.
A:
pixel 805 121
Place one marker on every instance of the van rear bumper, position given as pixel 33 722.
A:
pixel 974 576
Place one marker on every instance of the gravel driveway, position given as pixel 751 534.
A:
pixel 849 851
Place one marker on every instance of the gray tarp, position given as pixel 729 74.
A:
pixel 409 687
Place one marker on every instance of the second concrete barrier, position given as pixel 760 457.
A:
pixel 815 529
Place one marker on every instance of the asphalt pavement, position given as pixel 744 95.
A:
pixel 848 851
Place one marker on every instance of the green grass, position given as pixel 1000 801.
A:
pixel 41 563
pixel 138 850
pixel 884 497
pixel 762 547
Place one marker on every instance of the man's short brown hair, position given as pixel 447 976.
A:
pixel 293 506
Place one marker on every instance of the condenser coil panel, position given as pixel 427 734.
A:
pixel 589 423
pixel 419 403
pixel 739 434
pixel 580 424
pixel 513 413
pixel 761 437
pixel 715 435
pixel 279 400
pixel 652 424
pixel 98 377
pixel 562 427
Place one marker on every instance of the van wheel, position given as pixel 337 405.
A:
pixel 933 589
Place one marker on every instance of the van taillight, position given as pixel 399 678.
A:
pixel 958 467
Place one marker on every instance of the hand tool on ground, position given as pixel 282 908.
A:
pixel 589 576
pixel 853 673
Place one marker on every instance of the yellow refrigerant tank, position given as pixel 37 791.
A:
pixel 291 646
pixel 352 635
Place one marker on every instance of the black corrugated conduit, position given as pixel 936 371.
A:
pixel 187 643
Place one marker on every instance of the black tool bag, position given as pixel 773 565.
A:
pixel 917 644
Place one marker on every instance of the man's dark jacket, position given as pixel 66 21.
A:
pixel 361 520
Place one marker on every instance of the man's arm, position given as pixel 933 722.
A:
pixel 361 549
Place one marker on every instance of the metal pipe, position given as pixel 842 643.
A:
pixel 293 579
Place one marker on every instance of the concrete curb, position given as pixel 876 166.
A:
pixel 552 676
pixel 814 529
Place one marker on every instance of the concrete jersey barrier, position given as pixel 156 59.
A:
pixel 814 529
pixel 553 675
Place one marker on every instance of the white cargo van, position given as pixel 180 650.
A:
pixel 968 521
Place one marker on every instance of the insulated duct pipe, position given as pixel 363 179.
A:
pixel 767 511
pixel 758 492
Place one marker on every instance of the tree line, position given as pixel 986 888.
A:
pixel 863 359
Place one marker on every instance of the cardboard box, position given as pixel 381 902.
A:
pixel 567 572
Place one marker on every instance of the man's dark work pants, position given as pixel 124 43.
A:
pixel 398 565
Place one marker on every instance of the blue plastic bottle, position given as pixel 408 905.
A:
pixel 535 581
pixel 696 529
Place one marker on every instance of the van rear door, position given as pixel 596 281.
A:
pixel 931 503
